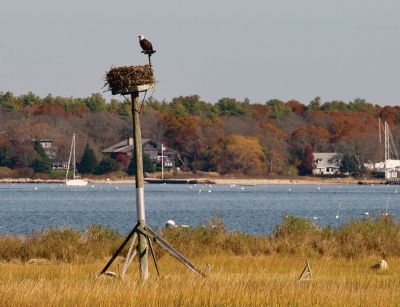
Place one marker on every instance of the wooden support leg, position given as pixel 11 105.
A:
pixel 130 255
pixel 143 256
pixel 119 250
pixel 147 231
pixel 153 255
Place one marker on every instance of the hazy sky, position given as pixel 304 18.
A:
pixel 336 49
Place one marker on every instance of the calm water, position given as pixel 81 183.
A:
pixel 25 208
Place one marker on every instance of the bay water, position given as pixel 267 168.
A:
pixel 26 208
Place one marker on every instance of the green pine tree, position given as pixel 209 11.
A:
pixel 88 163
pixel 147 165
pixel 6 156
pixel 42 163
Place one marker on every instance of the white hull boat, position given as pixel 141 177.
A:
pixel 76 182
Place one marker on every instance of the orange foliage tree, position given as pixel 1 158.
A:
pixel 194 138
pixel 240 154
pixel 274 142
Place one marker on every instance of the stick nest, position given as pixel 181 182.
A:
pixel 122 79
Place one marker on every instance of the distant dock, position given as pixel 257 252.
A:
pixel 179 181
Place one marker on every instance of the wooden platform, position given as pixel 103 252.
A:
pixel 132 89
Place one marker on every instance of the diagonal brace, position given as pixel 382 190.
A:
pixel 147 231
pixel 119 250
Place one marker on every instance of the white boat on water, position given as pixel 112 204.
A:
pixel 76 180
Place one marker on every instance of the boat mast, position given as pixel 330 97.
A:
pixel 73 140
pixel 162 161
pixel 379 128
pixel 69 159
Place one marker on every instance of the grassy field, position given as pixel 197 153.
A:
pixel 245 270
pixel 233 281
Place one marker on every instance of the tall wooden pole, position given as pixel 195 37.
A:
pixel 141 217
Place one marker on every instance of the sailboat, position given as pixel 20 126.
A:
pixel 75 181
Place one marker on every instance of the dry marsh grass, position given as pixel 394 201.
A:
pixel 233 281
pixel 245 270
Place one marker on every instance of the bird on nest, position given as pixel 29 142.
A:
pixel 147 47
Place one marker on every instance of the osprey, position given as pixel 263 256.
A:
pixel 146 45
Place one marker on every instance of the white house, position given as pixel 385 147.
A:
pixel 327 163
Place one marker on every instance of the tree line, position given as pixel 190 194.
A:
pixel 229 136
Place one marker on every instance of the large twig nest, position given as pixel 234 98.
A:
pixel 125 79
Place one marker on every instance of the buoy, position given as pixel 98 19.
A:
pixel 170 224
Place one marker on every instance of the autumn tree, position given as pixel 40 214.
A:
pixel 296 107
pixel 194 138
pixel 275 147
pixel 316 137
pixel 307 162
pixel 239 154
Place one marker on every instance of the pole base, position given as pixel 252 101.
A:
pixel 151 236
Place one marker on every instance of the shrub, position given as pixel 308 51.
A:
pixel 61 244
pixel 107 166
pixel 6 172
pixel 294 236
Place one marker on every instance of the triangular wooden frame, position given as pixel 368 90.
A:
pixel 306 275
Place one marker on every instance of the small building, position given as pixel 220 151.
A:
pixel 150 148
pixel 390 174
pixel 51 152
pixel 393 174
pixel 48 148
pixel 58 164
pixel 327 163
pixel 389 169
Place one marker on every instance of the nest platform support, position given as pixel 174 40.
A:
pixel 132 80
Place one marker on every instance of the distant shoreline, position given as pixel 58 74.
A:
pixel 237 181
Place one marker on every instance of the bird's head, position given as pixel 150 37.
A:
pixel 141 37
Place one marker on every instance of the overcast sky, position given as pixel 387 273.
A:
pixel 260 49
